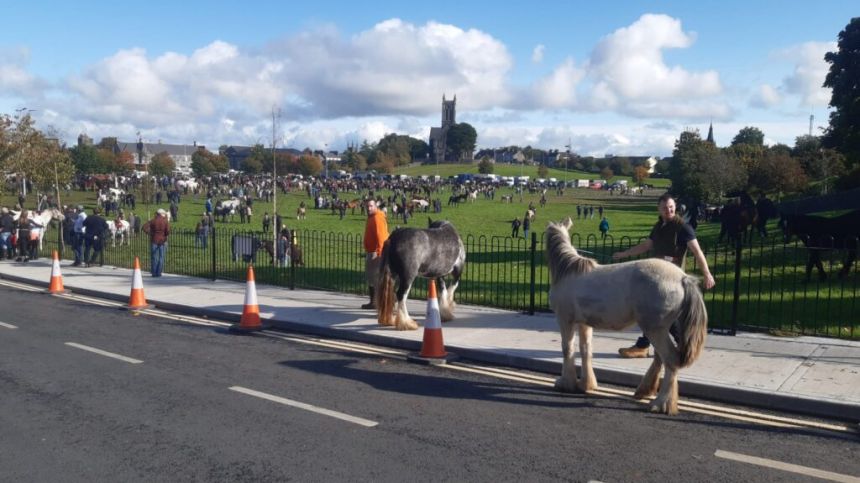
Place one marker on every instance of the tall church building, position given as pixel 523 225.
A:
pixel 439 135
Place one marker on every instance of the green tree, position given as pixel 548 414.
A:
pixel 252 164
pixel 161 165
pixel 123 163
pixel 397 148
pixel 201 163
pixel 28 152
pixel 85 159
pixel 749 135
pixel 700 171
pixel 418 149
pixel 461 140
pixel 843 132
pixel 486 166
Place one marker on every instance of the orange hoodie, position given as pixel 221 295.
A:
pixel 375 232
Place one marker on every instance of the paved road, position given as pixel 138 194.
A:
pixel 184 405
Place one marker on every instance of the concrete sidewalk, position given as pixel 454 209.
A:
pixel 807 375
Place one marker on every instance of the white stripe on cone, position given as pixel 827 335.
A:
pixel 55 269
pixel 251 293
pixel 137 280
pixel 434 320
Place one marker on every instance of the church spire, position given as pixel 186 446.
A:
pixel 711 133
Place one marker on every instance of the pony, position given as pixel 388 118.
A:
pixel 530 214
pixel 41 219
pixel 434 252
pixel 119 228
pixel 301 213
pixel 508 199
pixel 652 293
pixel 820 234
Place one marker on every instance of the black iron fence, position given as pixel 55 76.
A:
pixel 760 287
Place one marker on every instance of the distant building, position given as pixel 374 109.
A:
pixel 144 152
pixel 439 135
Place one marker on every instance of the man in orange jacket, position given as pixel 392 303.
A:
pixel 375 234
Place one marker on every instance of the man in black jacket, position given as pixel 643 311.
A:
pixel 94 236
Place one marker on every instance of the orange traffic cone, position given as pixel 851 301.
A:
pixel 56 277
pixel 432 347
pixel 250 321
pixel 136 300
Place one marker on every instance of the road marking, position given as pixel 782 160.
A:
pixel 104 353
pixel 308 407
pixel 8 326
pixel 779 465
pixel 513 375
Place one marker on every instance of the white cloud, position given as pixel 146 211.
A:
pixel 809 73
pixel 15 80
pixel 396 68
pixel 766 97
pixel 627 66
pixel 558 90
pixel 537 53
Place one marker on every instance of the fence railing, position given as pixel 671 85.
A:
pixel 760 287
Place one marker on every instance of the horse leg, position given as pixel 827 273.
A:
pixel 567 382
pixel 667 400
pixel 402 320
pixel 849 262
pixel 587 382
pixel 446 301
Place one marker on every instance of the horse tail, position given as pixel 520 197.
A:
pixel 384 290
pixel 693 322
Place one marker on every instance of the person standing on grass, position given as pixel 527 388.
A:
pixel 604 228
pixel 375 235
pixel 670 239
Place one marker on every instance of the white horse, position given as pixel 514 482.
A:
pixel 41 219
pixel 473 196
pixel 652 293
pixel 122 231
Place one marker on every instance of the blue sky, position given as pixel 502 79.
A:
pixel 620 78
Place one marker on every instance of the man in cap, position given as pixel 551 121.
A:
pixel 158 229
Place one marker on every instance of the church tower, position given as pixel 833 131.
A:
pixel 711 133
pixel 449 112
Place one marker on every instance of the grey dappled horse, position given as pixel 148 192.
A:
pixel 652 293
pixel 408 253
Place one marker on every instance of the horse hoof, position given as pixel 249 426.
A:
pixel 643 394
pixel 408 324
pixel 563 385
pixel 664 407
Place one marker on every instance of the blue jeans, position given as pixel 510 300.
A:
pixel 78 244
pixel 157 258
pixel 4 244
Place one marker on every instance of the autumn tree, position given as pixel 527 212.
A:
pixel 640 174
pixel 161 165
pixel 309 165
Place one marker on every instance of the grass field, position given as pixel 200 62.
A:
pixel 771 294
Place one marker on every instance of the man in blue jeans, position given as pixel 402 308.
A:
pixel 158 229
pixel 669 239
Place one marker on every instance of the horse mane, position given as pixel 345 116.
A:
pixel 562 257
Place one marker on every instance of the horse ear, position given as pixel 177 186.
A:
pixel 567 223
pixel 429 222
